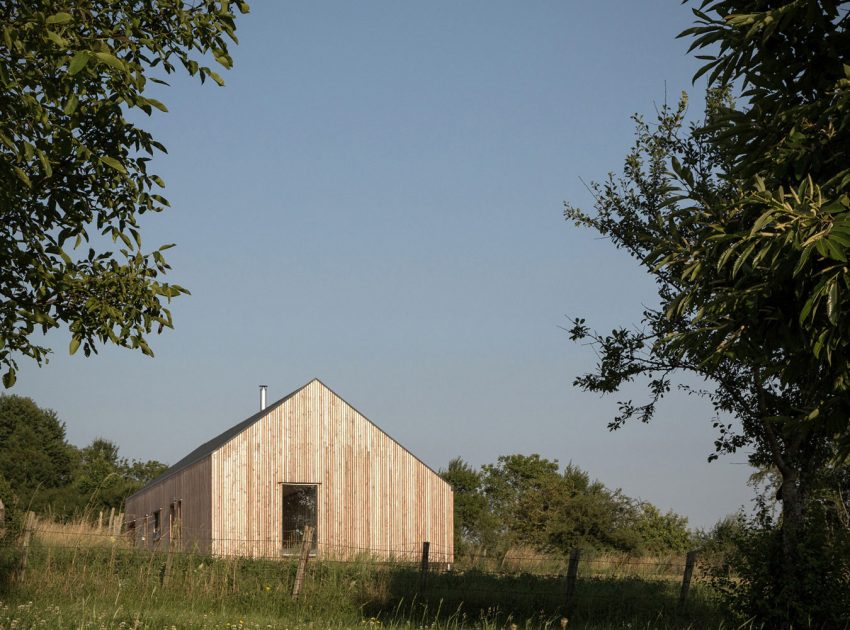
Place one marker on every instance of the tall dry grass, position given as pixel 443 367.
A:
pixel 80 561
pixel 521 559
pixel 83 531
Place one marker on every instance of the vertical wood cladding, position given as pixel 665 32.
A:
pixel 374 497
pixel 191 487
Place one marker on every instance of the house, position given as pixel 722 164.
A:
pixel 308 459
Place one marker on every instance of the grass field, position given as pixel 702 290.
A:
pixel 77 580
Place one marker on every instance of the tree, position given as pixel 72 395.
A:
pixel 34 455
pixel 41 471
pixel 523 492
pixel 474 523
pixel 104 480
pixel 527 501
pixel 11 521
pixel 74 170
pixel 743 221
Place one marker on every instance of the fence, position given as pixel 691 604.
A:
pixel 521 581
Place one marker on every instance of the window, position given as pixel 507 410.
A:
pixel 157 525
pixel 300 507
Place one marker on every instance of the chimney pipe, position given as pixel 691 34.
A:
pixel 263 396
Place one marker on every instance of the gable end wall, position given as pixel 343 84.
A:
pixel 374 496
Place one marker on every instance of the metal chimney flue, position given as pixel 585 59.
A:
pixel 263 396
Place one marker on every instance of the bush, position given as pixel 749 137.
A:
pixel 11 526
pixel 748 576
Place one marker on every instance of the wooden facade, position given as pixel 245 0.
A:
pixel 372 496
pixel 184 502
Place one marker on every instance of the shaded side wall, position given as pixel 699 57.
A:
pixel 190 486
pixel 374 497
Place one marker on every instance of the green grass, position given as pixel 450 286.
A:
pixel 115 587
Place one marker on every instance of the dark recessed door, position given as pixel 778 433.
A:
pixel 300 509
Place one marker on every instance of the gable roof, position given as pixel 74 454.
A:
pixel 207 448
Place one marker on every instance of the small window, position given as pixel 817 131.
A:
pixel 157 525
pixel 300 508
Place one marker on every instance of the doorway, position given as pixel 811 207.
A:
pixel 300 509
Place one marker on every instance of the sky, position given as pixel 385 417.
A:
pixel 375 198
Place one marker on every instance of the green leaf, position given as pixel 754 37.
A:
pixel 804 257
pixel 762 221
pixel 832 303
pixel 59 18
pixel 57 39
pixel 45 163
pixel 113 163
pixel 9 378
pixel 110 60
pixel 807 308
pixel 22 176
pixel 742 259
pixel 78 62
pixel 71 105
pixel 215 76
pixel 159 105
pixel 75 344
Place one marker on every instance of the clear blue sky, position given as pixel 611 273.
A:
pixel 375 199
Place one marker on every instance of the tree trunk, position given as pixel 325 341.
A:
pixel 791 587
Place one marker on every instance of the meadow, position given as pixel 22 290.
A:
pixel 78 576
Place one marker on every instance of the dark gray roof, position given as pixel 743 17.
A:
pixel 207 448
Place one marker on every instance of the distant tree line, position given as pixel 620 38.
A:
pixel 527 500
pixel 41 471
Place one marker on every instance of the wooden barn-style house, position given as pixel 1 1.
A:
pixel 309 459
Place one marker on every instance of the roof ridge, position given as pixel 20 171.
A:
pixel 208 447
pixel 212 444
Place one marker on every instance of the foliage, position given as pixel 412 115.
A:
pixel 743 221
pixel 33 452
pixel 719 542
pixel 74 175
pixel 107 479
pixel 752 549
pixel 660 532
pixel 526 500
pixel 475 525
pixel 46 473
pixel 12 517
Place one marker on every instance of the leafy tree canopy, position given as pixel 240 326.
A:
pixel 33 450
pixel 528 501
pixel 744 221
pixel 74 171
pixel 42 471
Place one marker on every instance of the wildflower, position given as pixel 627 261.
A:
pixel 564 622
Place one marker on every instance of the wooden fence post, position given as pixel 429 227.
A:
pixel 114 533
pixel 119 522
pixel 572 577
pixel 423 567
pixel 306 544
pixel 29 526
pixel 686 578
pixel 169 559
